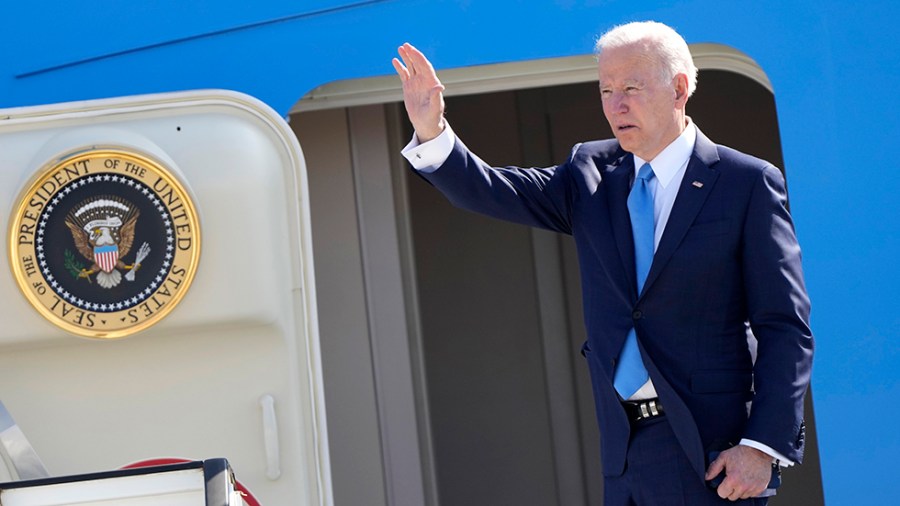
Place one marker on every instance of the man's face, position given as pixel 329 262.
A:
pixel 645 113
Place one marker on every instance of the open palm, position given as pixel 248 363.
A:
pixel 422 92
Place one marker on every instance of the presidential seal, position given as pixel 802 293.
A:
pixel 104 243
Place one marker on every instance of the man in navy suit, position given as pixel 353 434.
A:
pixel 687 254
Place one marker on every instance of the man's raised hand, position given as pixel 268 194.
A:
pixel 422 92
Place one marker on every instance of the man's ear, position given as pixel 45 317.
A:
pixel 681 89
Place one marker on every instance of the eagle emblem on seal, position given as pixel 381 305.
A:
pixel 103 229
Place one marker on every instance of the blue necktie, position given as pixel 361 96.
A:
pixel 630 371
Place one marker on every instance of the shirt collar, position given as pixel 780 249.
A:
pixel 671 159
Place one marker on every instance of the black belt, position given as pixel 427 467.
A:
pixel 642 410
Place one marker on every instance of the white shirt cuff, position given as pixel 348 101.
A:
pixel 782 460
pixel 429 156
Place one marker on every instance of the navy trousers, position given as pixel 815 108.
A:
pixel 657 473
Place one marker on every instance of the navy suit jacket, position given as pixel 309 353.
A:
pixel 728 263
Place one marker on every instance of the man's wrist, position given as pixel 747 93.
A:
pixel 428 134
pixel 777 458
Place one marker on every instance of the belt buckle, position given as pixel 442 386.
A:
pixel 643 410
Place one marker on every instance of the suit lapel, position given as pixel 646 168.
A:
pixel 619 176
pixel 698 181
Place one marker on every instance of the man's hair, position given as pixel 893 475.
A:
pixel 664 44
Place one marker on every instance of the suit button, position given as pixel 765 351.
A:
pixel 637 314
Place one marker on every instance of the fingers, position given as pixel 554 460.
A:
pixel 729 490
pixel 415 61
pixel 736 486
pixel 417 72
pixel 745 476
pixel 409 55
pixel 715 468
pixel 401 69
pixel 408 64
pixel 404 69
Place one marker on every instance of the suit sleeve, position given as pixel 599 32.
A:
pixel 778 309
pixel 539 197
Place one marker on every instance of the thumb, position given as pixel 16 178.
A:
pixel 716 467
pixel 436 91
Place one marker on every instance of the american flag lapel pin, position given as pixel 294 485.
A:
pixel 697 184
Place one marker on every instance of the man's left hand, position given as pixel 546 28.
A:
pixel 747 472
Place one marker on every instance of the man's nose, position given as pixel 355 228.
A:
pixel 619 103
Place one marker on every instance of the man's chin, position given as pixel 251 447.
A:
pixel 626 143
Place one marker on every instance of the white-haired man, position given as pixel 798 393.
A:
pixel 684 247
